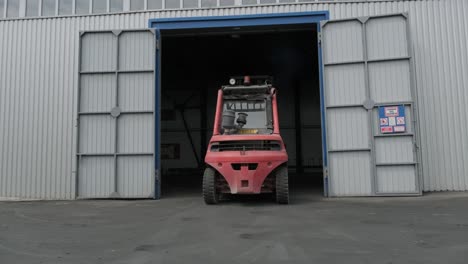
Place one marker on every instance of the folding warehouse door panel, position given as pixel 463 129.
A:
pixel 393 93
pixel 116 150
pixel 369 102
pixel 348 123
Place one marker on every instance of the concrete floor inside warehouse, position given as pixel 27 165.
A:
pixel 182 229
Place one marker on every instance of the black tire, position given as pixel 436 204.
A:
pixel 282 185
pixel 209 186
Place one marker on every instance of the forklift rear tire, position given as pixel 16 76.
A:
pixel 282 185
pixel 209 186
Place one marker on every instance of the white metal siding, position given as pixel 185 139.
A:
pixel 96 177
pixel 351 34
pixel 97 134
pixel 340 92
pixel 136 91
pixel 351 175
pixel 38 89
pixel 132 176
pixel 99 52
pixel 396 179
pixel 348 128
pixel 390 81
pixel 380 45
pixel 394 149
pixel 135 133
pixel 97 92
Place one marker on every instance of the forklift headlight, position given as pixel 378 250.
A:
pixel 232 81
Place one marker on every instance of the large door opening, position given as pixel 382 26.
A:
pixel 195 63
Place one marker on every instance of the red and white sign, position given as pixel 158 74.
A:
pixel 386 129
pixel 391 111
pixel 399 129
pixel 383 121
pixel 400 120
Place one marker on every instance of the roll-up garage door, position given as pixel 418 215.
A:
pixel 370 101
pixel 116 149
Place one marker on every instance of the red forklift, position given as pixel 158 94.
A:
pixel 246 154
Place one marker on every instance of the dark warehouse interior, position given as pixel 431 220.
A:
pixel 198 62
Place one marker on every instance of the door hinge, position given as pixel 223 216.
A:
pixel 319 37
pixel 158 45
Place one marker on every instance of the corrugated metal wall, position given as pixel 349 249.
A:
pixel 39 78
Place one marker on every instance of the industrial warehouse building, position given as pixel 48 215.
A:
pixel 112 99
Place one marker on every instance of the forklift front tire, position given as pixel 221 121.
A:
pixel 209 186
pixel 282 185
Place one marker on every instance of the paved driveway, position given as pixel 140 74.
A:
pixel 429 229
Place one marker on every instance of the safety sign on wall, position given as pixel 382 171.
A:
pixel 392 119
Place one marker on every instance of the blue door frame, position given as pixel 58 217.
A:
pixel 162 24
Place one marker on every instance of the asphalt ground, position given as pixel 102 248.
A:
pixel 180 228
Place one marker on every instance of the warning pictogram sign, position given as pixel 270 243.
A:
pixel 392 119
